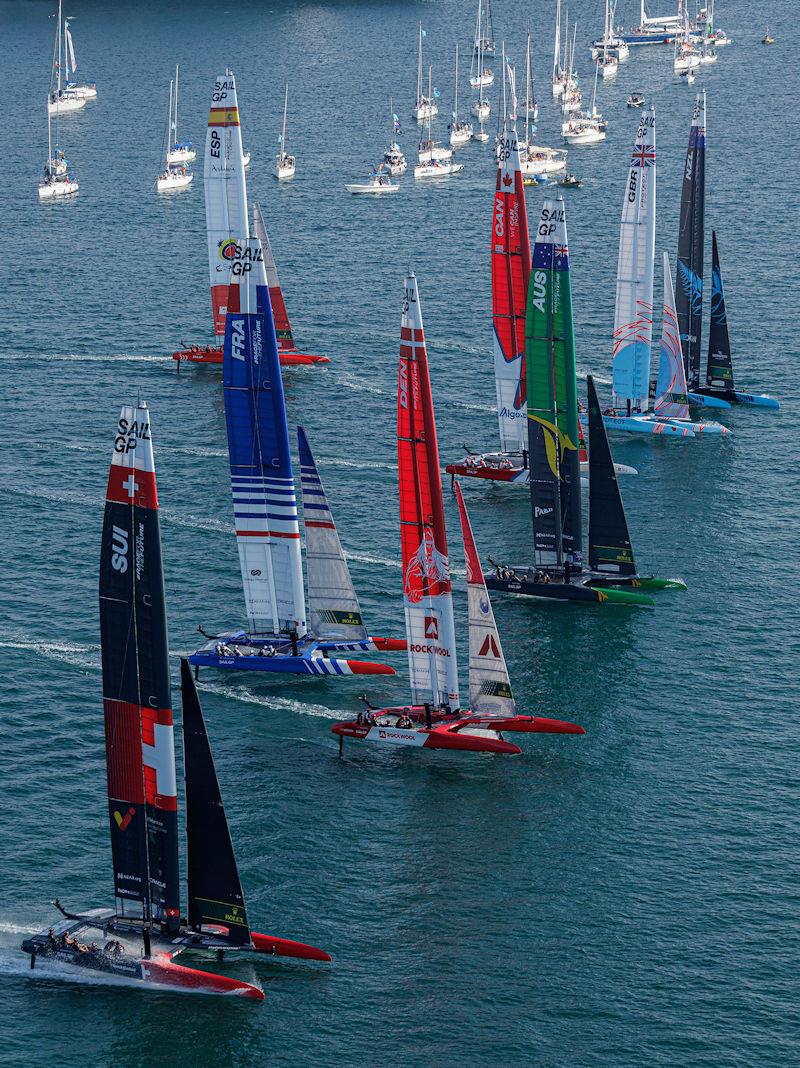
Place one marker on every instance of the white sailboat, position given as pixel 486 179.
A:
pixel 608 61
pixel 56 182
pixel 394 158
pixel 586 128
pixel 424 108
pixel 429 150
pixel 486 42
pixel 480 77
pixel 85 92
pixel 557 79
pixel 530 105
pixel 62 99
pixel 175 175
pixel 178 151
pixel 571 97
pixel 460 132
pixel 285 164
pixel 481 107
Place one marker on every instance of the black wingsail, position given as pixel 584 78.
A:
pixel 719 372
pixel 215 892
pixel 689 279
pixel 610 549
pixel 140 751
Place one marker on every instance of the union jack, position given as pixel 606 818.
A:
pixel 560 250
pixel 644 156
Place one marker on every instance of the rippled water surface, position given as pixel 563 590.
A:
pixel 629 897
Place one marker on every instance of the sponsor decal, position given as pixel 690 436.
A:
pixel 119 549
pixel 489 647
pixel 427 568
pixel 484 605
pixel 139 552
pixel 429 650
pixel 432 628
pixel 539 281
pixel 216 144
pixel 228 249
pixel 237 338
pixel 124 822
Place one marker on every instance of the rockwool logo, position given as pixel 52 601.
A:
pixel 432 628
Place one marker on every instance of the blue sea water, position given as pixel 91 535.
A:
pixel 625 898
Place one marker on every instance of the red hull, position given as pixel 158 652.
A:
pixel 492 474
pixel 167 973
pixel 284 947
pixel 390 645
pixel 209 355
pixel 366 667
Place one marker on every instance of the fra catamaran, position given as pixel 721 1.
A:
pixel 139 938
pixel 434 719
pixel 279 637
pixel 228 228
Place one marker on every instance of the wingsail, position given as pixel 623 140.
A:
pixel 610 549
pixel 719 370
pixel 633 313
pixel 689 276
pixel 428 598
pixel 671 399
pixel 283 328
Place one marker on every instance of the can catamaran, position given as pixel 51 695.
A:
pixel 139 938
pixel 227 224
pixel 718 390
pixel 553 434
pixel 434 719
pixel 279 637
pixel 511 268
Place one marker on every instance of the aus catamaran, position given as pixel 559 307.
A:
pixel 228 227
pixel 434 719
pixel 719 390
pixel 279 636
pixel 137 940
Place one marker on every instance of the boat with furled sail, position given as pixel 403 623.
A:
pixel 285 165
pixel 176 174
pixel 137 941
pixel 56 181
pixel 425 107
pixel 279 637
pixel 63 98
pixel 434 719
pixel 227 224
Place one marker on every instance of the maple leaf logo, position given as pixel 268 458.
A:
pixel 506 180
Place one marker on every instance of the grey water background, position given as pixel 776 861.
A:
pixel 625 898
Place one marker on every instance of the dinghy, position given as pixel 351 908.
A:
pixel 278 637
pixel 434 719
pixel 227 227
pixel 553 435
pixel 136 942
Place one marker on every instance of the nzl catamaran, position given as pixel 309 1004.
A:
pixel 137 940
pixel 228 228
pixel 279 636
pixel 434 719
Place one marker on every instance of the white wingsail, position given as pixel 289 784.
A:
pixel 672 399
pixel 226 199
pixel 633 314
pixel 489 684
pixel 332 601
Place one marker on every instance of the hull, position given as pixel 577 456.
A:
pixel 638 582
pixel 242 652
pixel 213 355
pixel 631 39
pixel 637 424
pixel 373 189
pixel 563 591
pixel 727 398
pixel 169 185
pixel 500 467
pixel 57 190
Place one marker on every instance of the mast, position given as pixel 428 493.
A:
pixel 511 269
pixel 557 46
pixel 262 481
pixel 428 600
pixel 169 126
pixel 552 397
pixel 719 370
pixel 140 752
pixel 227 225
pixel 477 50
pixel 455 91
pixel 212 876
pixel 633 313
pixel 174 130
pixel 610 549
pixel 58 63
pixel 689 276
pixel 419 70
pixel 285 112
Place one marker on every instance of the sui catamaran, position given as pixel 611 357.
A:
pixel 557 571
pixel 718 391
pixel 279 637
pixel 434 719
pixel 511 268
pixel 227 224
pixel 137 940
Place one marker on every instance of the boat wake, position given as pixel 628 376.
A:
pixel 83 656
pixel 282 704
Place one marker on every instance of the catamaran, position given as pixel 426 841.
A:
pixel 279 638
pixel 65 96
pixel 56 182
pixel 460 132
pixel 175 175
pixel 434 719
pixel 285 165
pixel 227 227
pixel 718 391
pixel 136 941
pixel 553 433
pixel 424 106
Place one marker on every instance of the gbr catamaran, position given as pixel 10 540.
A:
pixel 434 719
pixel 279 637
pixel 138 939
pixel 718 390
pixel 227 226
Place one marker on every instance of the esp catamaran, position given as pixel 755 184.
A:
pixel 553 433
pixel 227 227
pixel 434 719
pixel 511 268
pixel 139 938
pixel 279 637
pixel 718 390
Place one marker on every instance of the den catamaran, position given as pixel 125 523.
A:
pixel 553 444
pixel 227 226
pixel 279 637
pixel 137 940
pixel 719 390
pixel 434 719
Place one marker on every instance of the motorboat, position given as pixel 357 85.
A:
pixel 570 181
pixel 635 100
pixel 584 131
pixel 481 109
pixel 377 185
